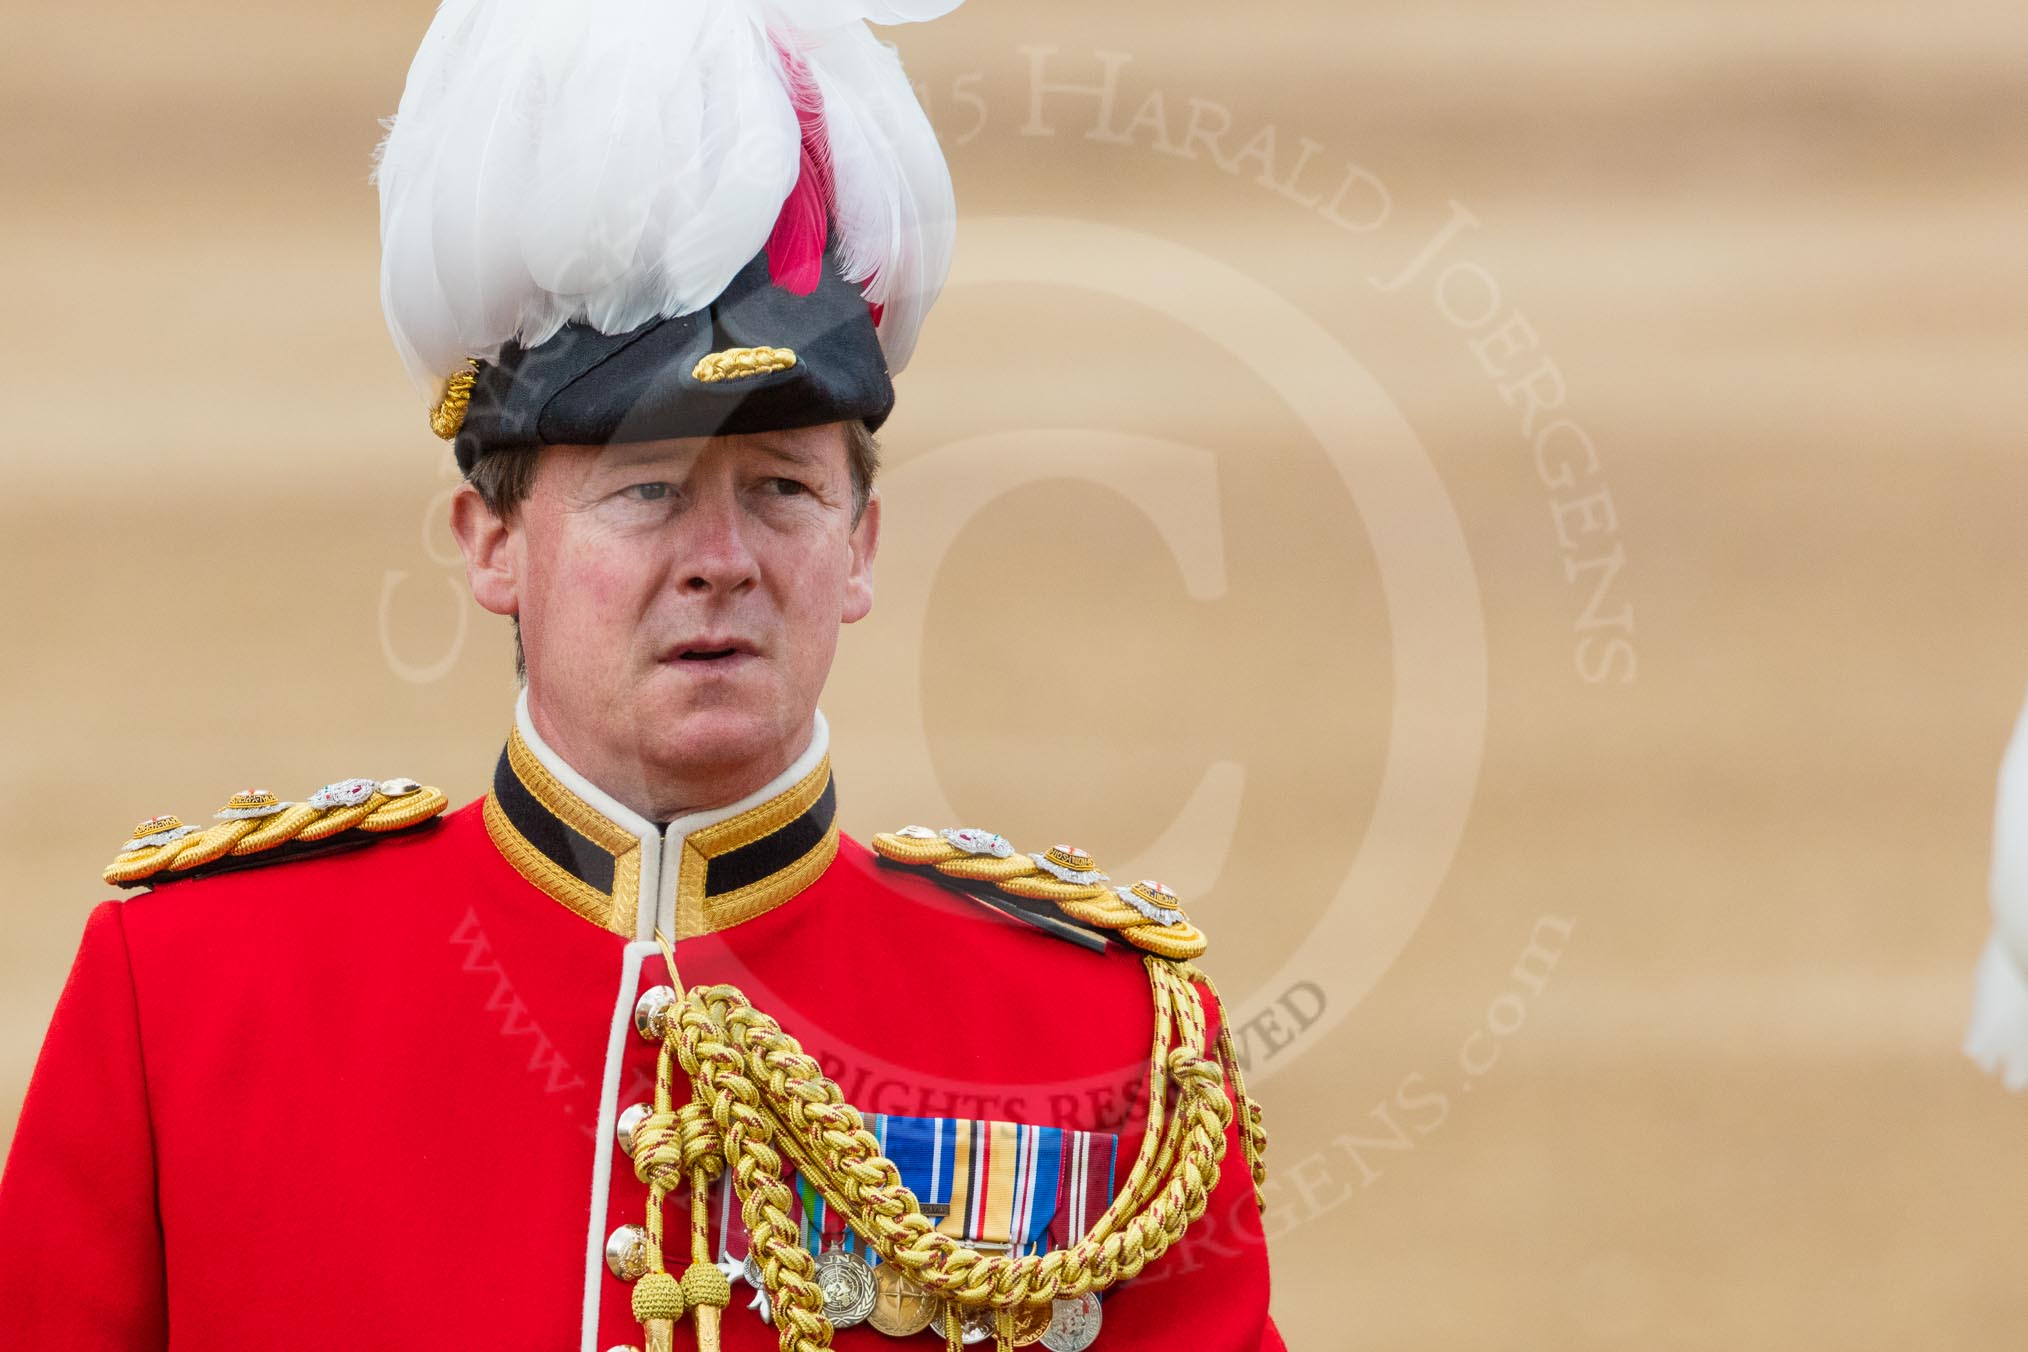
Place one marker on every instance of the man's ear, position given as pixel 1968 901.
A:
pixel 865 543
pixel 492 550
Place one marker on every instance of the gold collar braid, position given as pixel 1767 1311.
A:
pixel 755 1097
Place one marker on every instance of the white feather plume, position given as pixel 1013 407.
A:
pixel 812 16
pixel 1998 1036
pixel 617 161
pixel 896 214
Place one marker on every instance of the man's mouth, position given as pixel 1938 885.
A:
pixel 709 650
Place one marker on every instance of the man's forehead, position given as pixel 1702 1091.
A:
pixel 801 446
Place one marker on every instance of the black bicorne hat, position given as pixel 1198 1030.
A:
pixel 679 221
pixel 759 358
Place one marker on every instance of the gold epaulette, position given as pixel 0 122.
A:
pixel 256 822
pixel 1146 915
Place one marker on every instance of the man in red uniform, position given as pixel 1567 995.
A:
pixel 307 1094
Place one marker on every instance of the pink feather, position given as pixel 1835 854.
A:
pixel 795 246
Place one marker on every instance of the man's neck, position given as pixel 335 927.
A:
pixel 662 794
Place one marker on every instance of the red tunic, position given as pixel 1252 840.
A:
pixel 367 1100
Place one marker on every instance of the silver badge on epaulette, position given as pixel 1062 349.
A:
pixel 1070 864
pixel 344 793
pixel 974 841
pixel 159 830
pixel 1151 899
pixel 250 803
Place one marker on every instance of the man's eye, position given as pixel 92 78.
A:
pixel 787 488
pixel 647 492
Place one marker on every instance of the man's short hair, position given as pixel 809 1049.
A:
pixel 505 479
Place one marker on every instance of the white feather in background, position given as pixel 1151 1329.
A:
pixel 1998 1036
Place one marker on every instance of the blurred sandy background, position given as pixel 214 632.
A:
pixel 1774 255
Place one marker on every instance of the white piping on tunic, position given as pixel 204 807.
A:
pixel 661 860
pixel 604 1143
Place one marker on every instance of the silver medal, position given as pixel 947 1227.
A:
pixel 975 1323
pixel 846 1280
pixel 1073 1323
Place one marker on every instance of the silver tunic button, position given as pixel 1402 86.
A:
pixel 627 1253
pixel 651 1011
pixel 629 1120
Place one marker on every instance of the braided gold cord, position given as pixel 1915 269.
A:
pixel 918 850
pixel 271 831
pixel 336 820
pixel 1178 943
pixel 250 835
pixel 1021 876
pixel 985 868
pixel 1109 911
pixel 1048 887
pixel 393 814
pixel 1252 1126
pixel 770 1105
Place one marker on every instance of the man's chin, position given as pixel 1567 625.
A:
pixel 736 743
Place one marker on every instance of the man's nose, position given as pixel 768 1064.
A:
pixel 713 553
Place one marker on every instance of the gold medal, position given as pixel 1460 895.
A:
pixel 1031 1322
pixel 900 1307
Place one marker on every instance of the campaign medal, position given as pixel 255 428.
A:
pixel 900 1307
pixel 975 1322
pixel 847 1284
pixel 1073 1323
pixel 843 1276
pixel 1031 1322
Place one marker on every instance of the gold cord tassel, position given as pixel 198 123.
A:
pixel 659 1298
pixel 658 1304
pixel 706 1288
